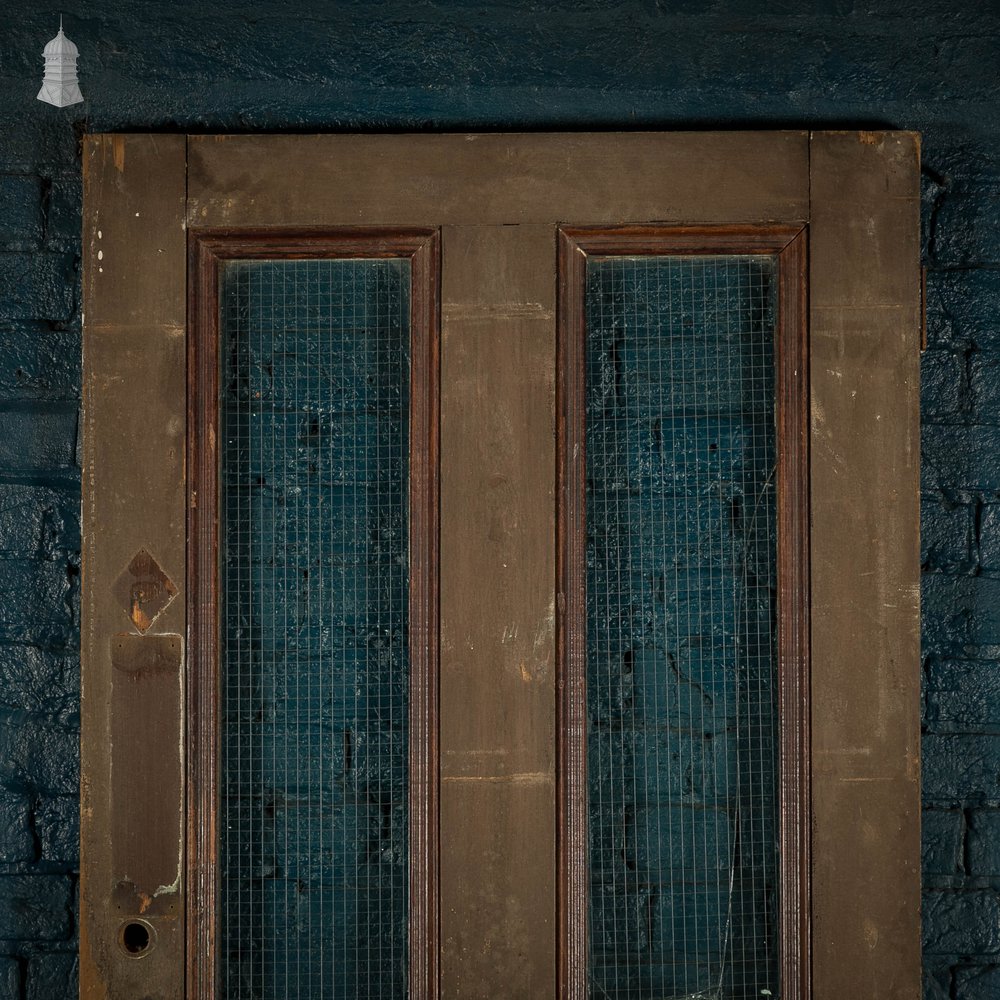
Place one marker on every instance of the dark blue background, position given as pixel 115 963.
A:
pixel 362 64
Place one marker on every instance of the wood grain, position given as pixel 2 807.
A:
pixel 497 617
pixel 146 716
pixel 133 499
pixel 864 349
pixel 608 177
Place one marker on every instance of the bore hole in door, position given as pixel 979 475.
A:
pixel 136 938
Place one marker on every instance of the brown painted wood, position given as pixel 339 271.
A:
pixel 571 650
pixel 794 760
pixel 424 624
pixel 208 249
pixel 492 179
pixel 864 376
pixel 497 619
pixel 204 684
pixel 862 442
pixel 133 500
pixel 791 391
pixel 146 716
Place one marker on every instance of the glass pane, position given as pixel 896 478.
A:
pixel 314 569
pixel 681 580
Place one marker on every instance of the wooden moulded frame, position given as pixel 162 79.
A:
pixel 208 250
pixel 788 245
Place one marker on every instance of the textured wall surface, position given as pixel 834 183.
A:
pixel 452 64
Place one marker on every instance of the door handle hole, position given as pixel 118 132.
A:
pixel 136 938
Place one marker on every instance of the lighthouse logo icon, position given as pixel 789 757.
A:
pixel 59 85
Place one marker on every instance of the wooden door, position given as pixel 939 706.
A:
pixel 497 230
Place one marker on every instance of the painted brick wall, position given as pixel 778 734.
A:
pixel 928 65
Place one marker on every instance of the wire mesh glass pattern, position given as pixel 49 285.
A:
pixel 314 573
pixel 681 629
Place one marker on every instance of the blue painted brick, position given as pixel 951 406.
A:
pixel 962 696
pixel 932 190
pixel 961 923
pixel 963 308
pixel 39 363
pixel 945 535
pixel 989 538
pixel 40 681
pixel 942 834
pixel 961 614
pixel 960 457
pixel 16 840
pixel 37 439
pixel 967 230
pixel 35 907
pixel 981 983
pixel 10 980
pixel 63 220
pixel 57 825
pixel 35 755
pixel 937 980
pixel 942 376
pixel 984 388
pixel 984 843
pixel 34 600
pixel 52 975
pixel 20 212
pixel 37 286
pixel 961 768
pixel 37 520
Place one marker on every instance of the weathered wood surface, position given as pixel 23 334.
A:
pixel 497 572
pixel 133 499
pixel 865 349
pixel 578 178
pixel 145 721
pixel 498 735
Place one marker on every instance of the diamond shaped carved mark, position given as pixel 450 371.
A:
pixel 144 590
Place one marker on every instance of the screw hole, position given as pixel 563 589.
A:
pixel 136 937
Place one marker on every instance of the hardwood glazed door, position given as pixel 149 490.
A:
pixel 468 604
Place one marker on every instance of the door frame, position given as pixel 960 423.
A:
pixel 207 250
pixel 787 244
